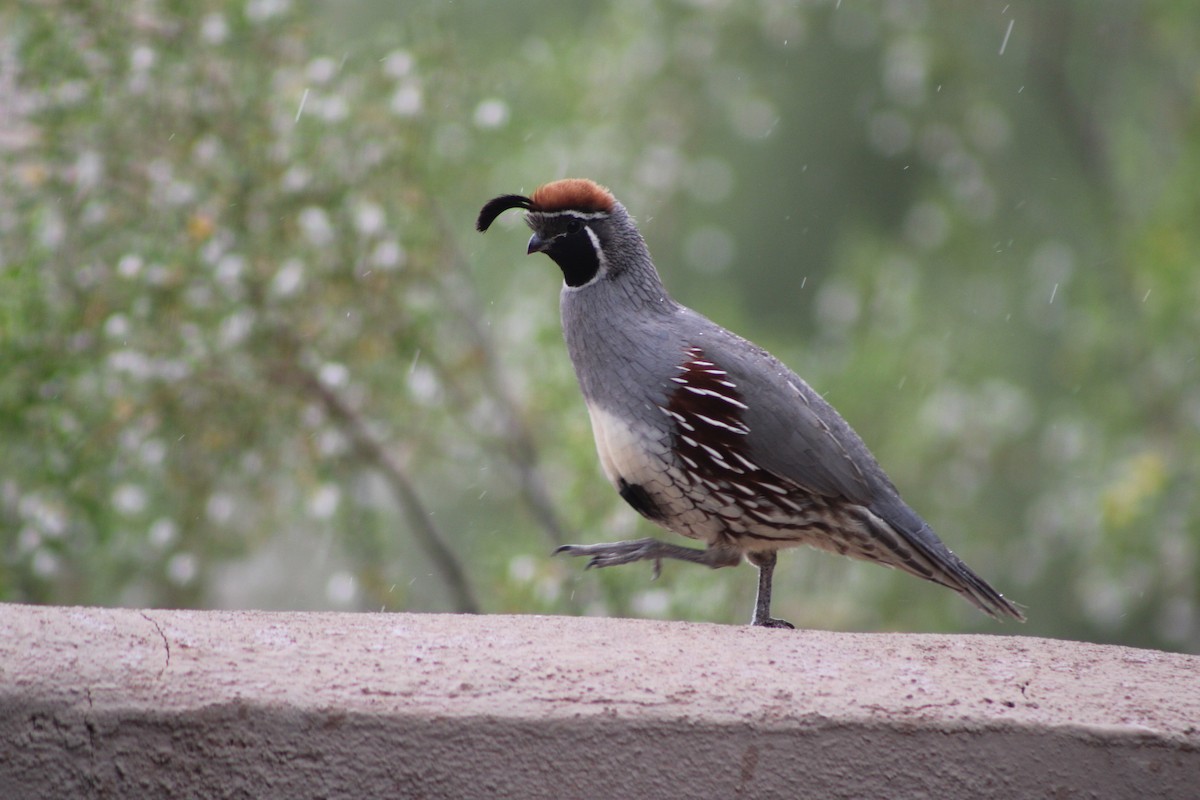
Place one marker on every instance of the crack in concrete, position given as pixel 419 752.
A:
pixel 89 723
pixel 166 644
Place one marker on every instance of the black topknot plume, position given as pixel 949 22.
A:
pixel 497 206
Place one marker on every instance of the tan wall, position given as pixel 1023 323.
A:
pixel 129 703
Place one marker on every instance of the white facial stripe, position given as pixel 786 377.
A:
pixel 596 244
pixel 603 262
pixel 572 213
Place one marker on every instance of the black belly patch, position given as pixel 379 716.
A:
pixel 640 499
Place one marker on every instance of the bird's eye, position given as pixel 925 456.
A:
pixel 574 226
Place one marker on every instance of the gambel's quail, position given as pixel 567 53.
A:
pixel 703 432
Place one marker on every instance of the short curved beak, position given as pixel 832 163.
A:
pixel 536 245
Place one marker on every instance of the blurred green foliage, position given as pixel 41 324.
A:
pixel 252 353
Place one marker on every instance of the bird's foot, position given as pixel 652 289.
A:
pixel 765 561
pixel 612 554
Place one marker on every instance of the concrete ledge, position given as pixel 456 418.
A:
pixel 128 703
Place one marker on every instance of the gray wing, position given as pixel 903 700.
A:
pixel 795 434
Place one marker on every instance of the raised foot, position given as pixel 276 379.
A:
pixel 771 622
pixel 611 554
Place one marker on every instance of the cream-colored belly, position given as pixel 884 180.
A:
pixel 640 455
pixel 636 453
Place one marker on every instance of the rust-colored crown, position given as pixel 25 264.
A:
pixel 576 194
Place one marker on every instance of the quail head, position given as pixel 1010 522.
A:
pixel 705 433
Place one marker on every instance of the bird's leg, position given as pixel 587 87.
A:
pixel 762 604
pixel 613 553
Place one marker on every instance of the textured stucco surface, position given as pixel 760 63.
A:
pixel 151 703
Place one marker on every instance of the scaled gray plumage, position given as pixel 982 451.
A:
pixel 707 434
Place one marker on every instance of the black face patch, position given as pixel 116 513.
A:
pixel 565 237
pixel 575 254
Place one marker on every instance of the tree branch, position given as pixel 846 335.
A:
pixel 371 450
pixel 519 442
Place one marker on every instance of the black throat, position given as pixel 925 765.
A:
pixel 576 256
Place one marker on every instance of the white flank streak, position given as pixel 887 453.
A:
pixel 718 395
pixel 1007 33
pixel 772 487
pixel 672 414
pixel 789 504
pixel 725 425
pixel 761 517
pixel 303 100
pixel 680 420
pixel 680 381
pixel 750 465
pixel 689 461
pixel 689 441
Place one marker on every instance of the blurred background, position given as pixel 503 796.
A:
pixel 253 354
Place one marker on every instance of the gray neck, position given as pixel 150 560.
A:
pixel 618 321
